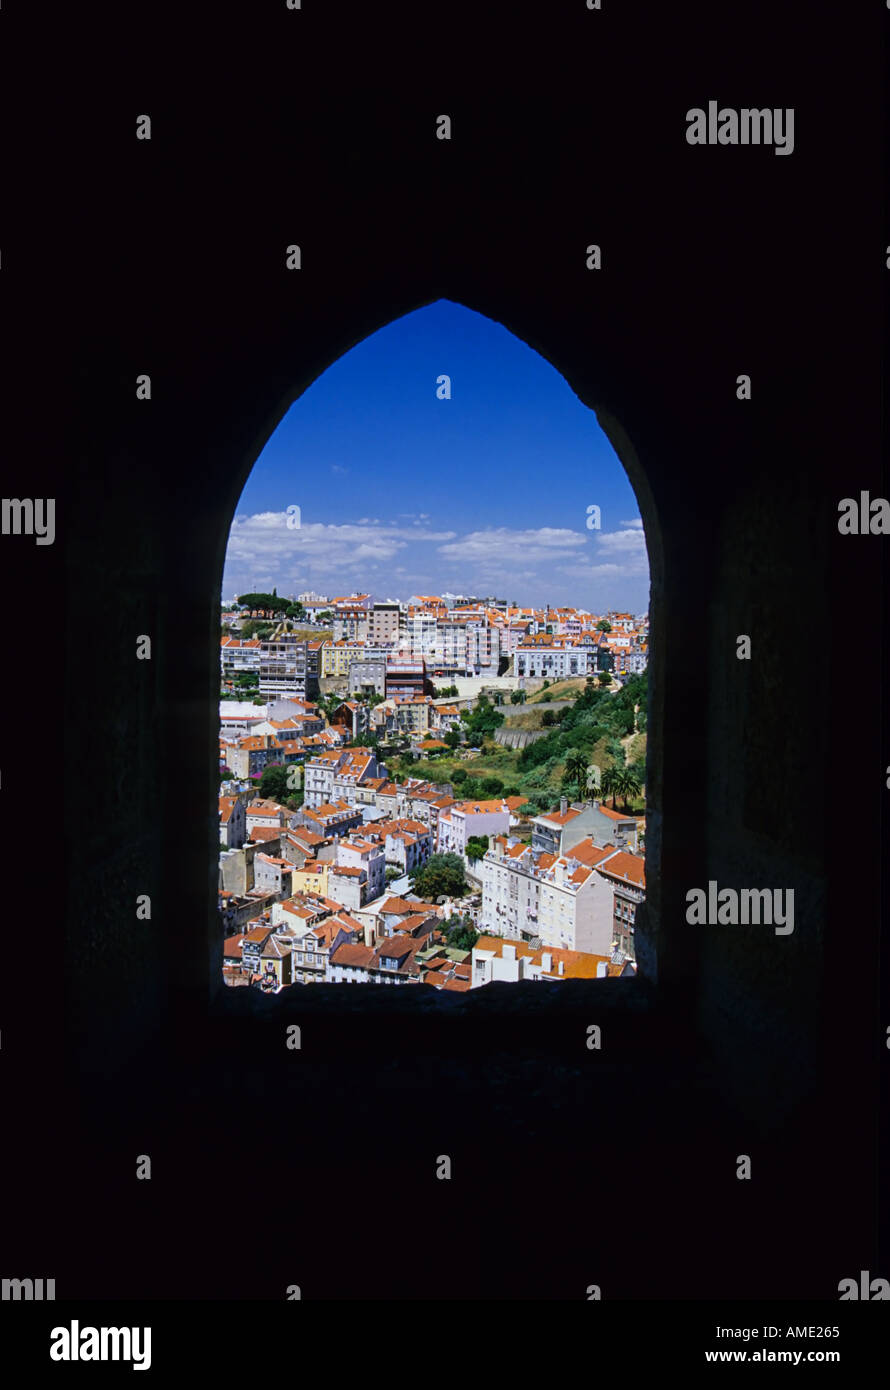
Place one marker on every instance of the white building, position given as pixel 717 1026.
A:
pixel 493 959
pixel 232 825
pixel 562 901
pixel 553 658
pixel 334 775
pixel 464 819
pixel 367 854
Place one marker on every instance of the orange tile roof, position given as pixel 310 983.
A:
pixel 351 953
pixel 577 964
pixel 626 868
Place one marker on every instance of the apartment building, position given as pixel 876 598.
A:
pixel 353 717
pixel 533 895
pixel 407 843
pixel 559 831
pixel 554 658
pixel 350 625
pixel 335 774
pixel 406 678
pixel 464 819
pixel 367 677
pixel 248 757
pixel 265 813
pixel 272 874
pixel 626 874
pixel 331 820
pixel 364 855
pixel 232 822
pixel 313 949
pixel 384 623
pixel 289 667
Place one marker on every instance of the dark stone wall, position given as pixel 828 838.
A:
pixel 715 262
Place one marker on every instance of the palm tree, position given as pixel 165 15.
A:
pixel 576 771
pixel 628 786
pixel 609 784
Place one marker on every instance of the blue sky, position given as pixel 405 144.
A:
pixel 401 493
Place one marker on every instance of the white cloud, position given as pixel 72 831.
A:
pixel 316 549
pixel 631 541
pixel 502 547
pixel 534 564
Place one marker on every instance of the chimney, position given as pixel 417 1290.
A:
pixel 563 805
pixel 561 967
pixel 546 962
pixel 602 967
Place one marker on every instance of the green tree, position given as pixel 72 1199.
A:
pixel 443 875
pixel 628 786
pixel 459 775
pixel 517 697
pixel 604 678
pixel 548 719
pixel 484 719
pixel 610 784
pixel 255 628
pixel 460 933
pixel 274 784
pixel 477 847
pixel 576 772
pixel 603 626
pixel 492 786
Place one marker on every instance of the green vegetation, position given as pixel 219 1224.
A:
pixel 620 782
pixel 276 785
pixel 254 628
pixel 558 690
pixel 484 719
pixel 442 875
pixel 592 729
pixel 477 847
pixel 590 732
pixel 265 603
pixel 460 933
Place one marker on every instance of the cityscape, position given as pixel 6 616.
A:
pixel 444 791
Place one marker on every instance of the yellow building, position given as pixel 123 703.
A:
pixel 312 878
pixel 336 657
